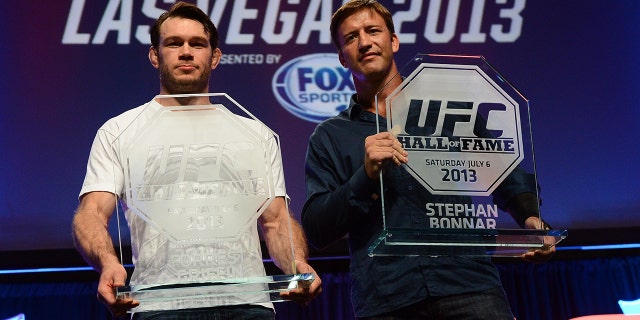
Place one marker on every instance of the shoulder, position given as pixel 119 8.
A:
pixel 335 122
pixel 119 123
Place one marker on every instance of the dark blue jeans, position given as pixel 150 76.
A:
pixel 242 312
pixel 486 305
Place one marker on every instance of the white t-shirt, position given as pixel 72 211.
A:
pixel 158 259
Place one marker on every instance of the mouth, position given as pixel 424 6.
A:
pixel 186 67
pixel 368 56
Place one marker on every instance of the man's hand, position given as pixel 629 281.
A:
pixel 544 253
pixel 303 294
pixel 112 276
pixel 379 150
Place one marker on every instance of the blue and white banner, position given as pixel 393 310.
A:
pixel 70 65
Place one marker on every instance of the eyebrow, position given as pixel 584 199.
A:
pixel 366 27
pixel 173 38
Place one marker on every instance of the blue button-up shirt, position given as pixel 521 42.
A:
pixel 341 200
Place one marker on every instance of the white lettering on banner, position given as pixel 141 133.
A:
pixel 407 16
pixel 474 34
pixel 309 24
pixel 513 15
pixel 149 9
pixel 109 22
pixel 282 21
pixel 71 34
pixel 242 59
pixel 288 24
pixel 433 17
pixel 238 15
pixel 245 58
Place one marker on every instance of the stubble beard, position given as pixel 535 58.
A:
pixel 373 73
pixel 184 86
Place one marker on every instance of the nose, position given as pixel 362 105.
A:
pixel 364 42
pixel 186 52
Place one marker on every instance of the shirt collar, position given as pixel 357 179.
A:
pixel 356 113
pixel 354 108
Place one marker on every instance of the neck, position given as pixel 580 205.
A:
pixel 367 92
pixel 183 101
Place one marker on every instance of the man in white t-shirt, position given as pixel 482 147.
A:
pixel 184 50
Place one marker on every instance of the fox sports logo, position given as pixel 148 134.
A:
pixel 313 87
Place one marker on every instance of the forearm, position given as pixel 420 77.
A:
pixel 283 236
pixel 96 248
pixel 288 248
pixel 323 220
pixel 286 244
pixel 522 207
pixel 91 235
pixel 327 215
pixel 518 195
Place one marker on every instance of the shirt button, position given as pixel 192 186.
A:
pixel 410 188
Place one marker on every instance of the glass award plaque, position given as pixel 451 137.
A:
pixel 198 171
pixel 467 132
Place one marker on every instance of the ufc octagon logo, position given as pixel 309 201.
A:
pixel 461 129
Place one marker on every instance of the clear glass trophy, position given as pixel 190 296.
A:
pixel 467 132
pixel 198 172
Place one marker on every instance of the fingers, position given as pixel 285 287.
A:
pixel 540 255
pixel 388 142
pixel 121 307
pixel 117 307
pixel 547 250
pixel 303 294
pixel 305 291
pixel 113 276
pixel 380 149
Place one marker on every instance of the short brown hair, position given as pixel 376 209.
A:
pixel 186 11
pixel 352 7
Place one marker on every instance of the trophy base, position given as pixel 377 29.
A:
pixel 216 293
pixel 463 242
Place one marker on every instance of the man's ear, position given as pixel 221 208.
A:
pixel 395 43
pixel 215 58
pixel 341 58
pixel 153 57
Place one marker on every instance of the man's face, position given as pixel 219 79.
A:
pixel 366 46
pixel 184 57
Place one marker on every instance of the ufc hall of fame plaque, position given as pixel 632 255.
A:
pixel 198 172
pixel 467 133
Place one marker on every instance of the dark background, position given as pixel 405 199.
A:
pixel 576 61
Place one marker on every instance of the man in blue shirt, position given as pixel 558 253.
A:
pixel 344 159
